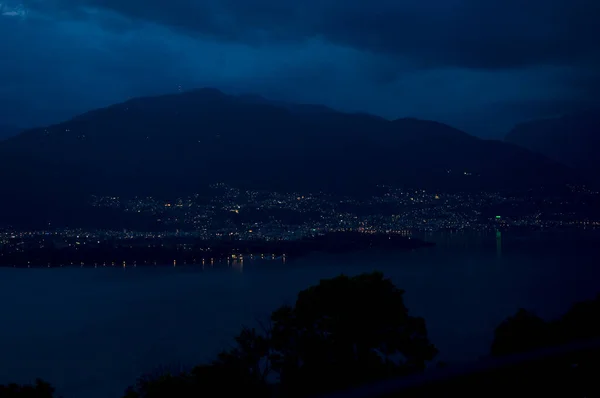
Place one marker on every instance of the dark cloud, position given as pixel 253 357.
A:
pixel 464 33
pixel 480 65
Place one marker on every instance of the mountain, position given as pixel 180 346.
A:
pixel 7 131
pixel 292 107
pixel 572 139
pixel 177 144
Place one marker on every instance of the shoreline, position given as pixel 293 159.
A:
pixel 206 253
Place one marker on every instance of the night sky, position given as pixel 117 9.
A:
pixel 479 65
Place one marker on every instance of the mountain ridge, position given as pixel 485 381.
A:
pixel 572 139
pixel 7 131
pixel 176 144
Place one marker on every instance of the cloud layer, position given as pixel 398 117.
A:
pixel 479 65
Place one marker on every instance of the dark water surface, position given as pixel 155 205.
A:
pixel 91 331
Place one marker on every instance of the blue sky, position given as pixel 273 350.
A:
pixel 481 66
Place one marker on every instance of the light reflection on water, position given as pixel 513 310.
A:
pixel 91 331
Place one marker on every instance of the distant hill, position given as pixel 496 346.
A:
pixel 178 144
pixel 7 131
pixel 572 139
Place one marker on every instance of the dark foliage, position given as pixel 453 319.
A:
pixel 40 389
pixel 525 331
pixel 522 332
pixel 234 372
pixel 582 321
pixel 573 373
pixel 347 331
pixel 341 333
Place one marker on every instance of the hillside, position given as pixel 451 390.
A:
pixel 178 144
pixel 572 139
pixel 7 131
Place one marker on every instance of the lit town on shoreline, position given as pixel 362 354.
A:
pixel 228 213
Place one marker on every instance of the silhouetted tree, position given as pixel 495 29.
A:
pixel 572 374
pixel 163 385
pixel 520 333
pixel 234 372
pixel 582 321
pixel 347 331
pixel 40 389
pixel 525 331
pixel 342 332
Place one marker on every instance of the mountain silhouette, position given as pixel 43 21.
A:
pixel 178 144
pixel 572 139
pixel 7 131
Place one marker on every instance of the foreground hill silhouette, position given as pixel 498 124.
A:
pixel 572 139
pixel 178 144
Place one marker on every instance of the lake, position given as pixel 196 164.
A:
pixel 92 331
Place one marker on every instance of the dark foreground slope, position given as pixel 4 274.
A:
pixel 178 144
